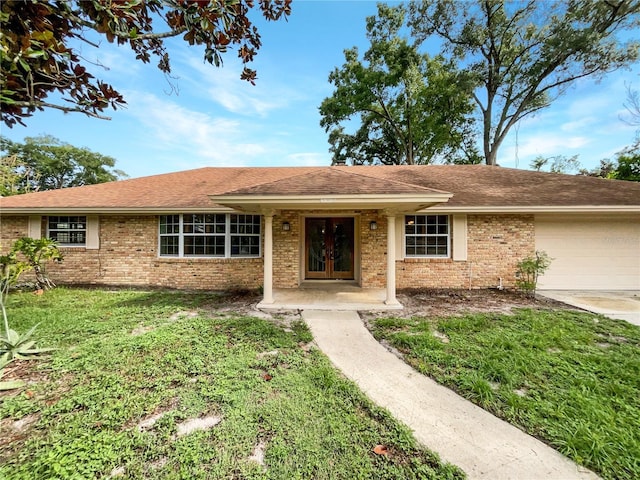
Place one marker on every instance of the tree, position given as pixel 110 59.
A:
pixel 524 54
pixel 26 254
pixel 628 164
pixel 557 164
pixel 632 105
pixel 40 56
pixel 46 163
pixel 625 165
pixel 413 108
pixel 604 169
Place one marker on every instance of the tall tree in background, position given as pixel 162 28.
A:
pixel 524 54
pixel 40 38
pixel 412 108
pixel 46 163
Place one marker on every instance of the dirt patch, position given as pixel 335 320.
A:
pixel 257 455
pixel 194 424
pixel 446 303
pixel 18 430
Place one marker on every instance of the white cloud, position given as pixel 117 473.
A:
pixel 223 86
pixel 540 144
pixel 579 125
pixel 199 137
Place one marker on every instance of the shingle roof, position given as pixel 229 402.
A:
pixel 483 185
pixel 333 181
pixel 472 186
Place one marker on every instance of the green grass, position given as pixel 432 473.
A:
pixel 570 379
pixel 102 381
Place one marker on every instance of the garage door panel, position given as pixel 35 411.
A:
pixel 583 263
pixel 589 253
pixel 590 282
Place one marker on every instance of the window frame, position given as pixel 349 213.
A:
pixel 69 230
pixel 426 235
pixel 227 235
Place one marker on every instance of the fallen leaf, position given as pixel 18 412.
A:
pixel 381 450
pixel 28 394
pixel 266 377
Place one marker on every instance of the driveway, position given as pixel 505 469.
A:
pixel 619 304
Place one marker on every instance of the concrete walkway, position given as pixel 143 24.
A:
pixel 463 434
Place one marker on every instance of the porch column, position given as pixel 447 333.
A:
pixel 391 261
pixel 267 286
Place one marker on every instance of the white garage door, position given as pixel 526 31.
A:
pixel 591 253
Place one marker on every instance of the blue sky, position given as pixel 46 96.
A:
pixel 216 119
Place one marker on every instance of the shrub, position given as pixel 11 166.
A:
pixel 530 269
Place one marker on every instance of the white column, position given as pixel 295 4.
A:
pixel 267 286
pixel 391 261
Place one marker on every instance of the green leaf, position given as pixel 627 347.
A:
pixel 11 384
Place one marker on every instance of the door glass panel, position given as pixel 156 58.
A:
pixel 317 247
pixel 342 238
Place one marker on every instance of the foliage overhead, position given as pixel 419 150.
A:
pixel 524 54
pixel 40 38
pixel 624 166
pixel 556 164
pixel 46 163
pixel 413 108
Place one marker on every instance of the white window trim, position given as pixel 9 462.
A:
pixel 70 245
pixel 448 235
pixel 227 244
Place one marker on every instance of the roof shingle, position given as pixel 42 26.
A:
pixel 472 186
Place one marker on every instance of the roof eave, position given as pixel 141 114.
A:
pixel 396 202
pixel 538 209
pixel 113 210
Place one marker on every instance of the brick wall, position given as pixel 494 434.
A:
pixel 495 244
pixel 12 228
pixel 286 250
pixel 373 245
pixel 128 256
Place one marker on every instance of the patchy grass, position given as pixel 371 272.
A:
pixel 131 374
pixel 570 379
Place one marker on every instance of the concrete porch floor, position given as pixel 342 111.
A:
pixel 328 296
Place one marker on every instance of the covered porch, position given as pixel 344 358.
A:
pixel 329 296
pixel 334 225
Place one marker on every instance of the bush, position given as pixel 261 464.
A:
pixel 529 269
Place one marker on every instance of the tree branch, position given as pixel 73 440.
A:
pixel 61 107
pixel 127 36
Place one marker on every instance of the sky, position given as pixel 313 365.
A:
pixel 207 116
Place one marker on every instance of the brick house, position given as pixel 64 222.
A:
pixel 444 226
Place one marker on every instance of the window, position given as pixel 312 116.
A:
pixel 245 235
pixel 68 231
pixel 426 235
pixel 209 235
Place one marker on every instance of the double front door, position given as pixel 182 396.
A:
pixel 329 248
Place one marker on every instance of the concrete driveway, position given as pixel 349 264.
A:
pixel 619 304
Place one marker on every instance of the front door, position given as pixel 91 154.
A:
pixel 329 248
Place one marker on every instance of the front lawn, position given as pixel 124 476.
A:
pixel 571 379
pixel 133 370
